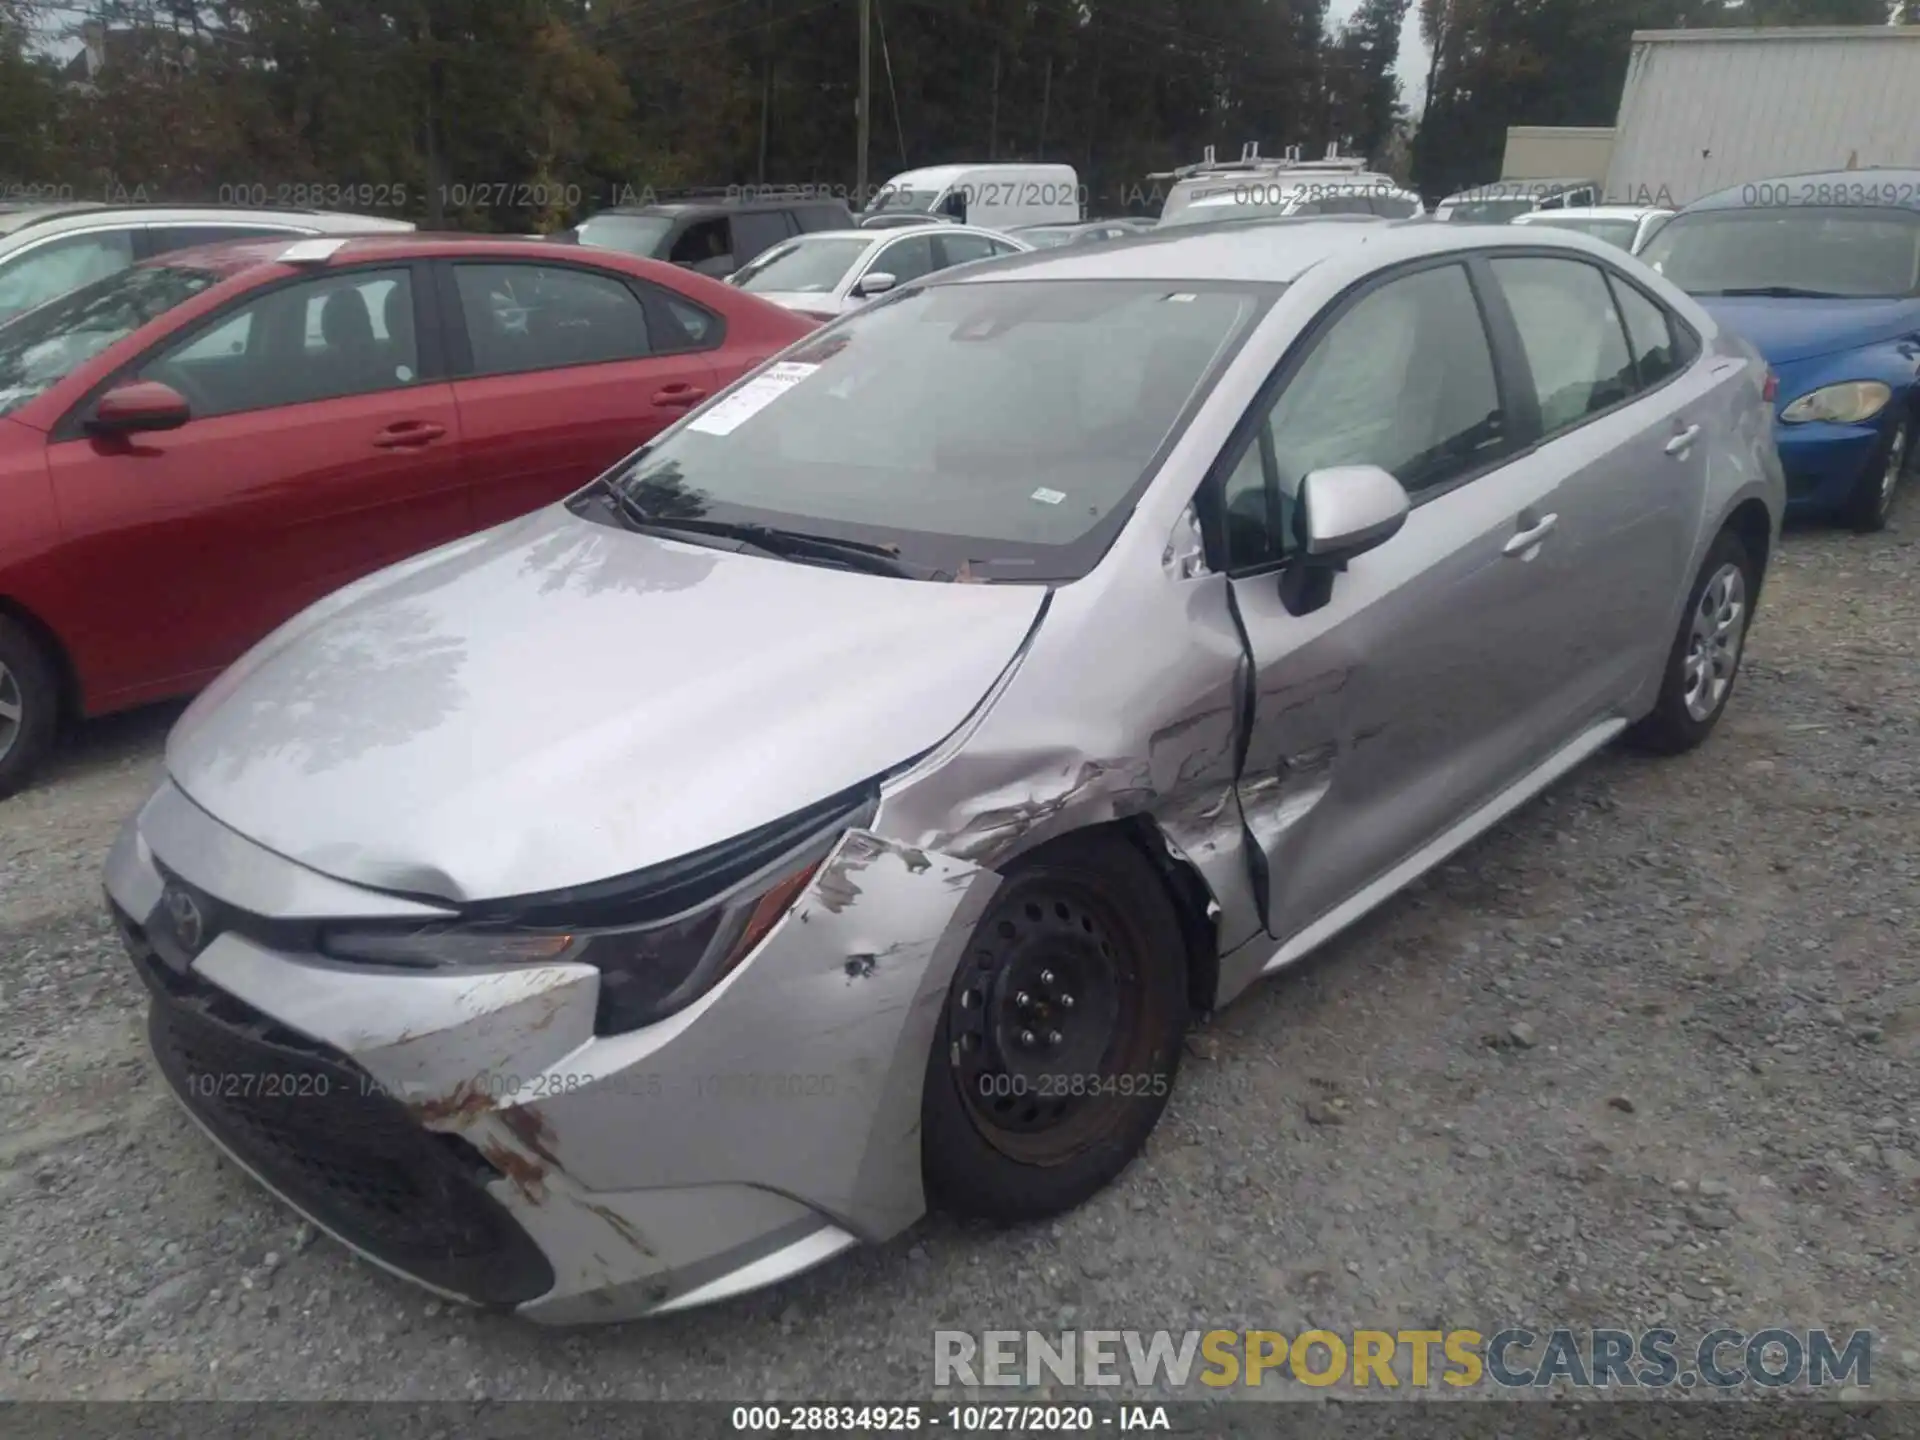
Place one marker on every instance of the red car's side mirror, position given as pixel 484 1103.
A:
pixel 138 406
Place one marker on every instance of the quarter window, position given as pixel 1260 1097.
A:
pixel 1402 380
pixel 1574 341
pixel 318 340
pixel 532 317
pixel 1650 335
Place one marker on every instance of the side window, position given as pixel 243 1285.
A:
pixel 1575 345
pixel 1649 335
pixel 321 339
pixel 961 249
pixel 531 317
pixel 706 246
pixel 53 268
pixel 757 231
pixel 955 204
pixel 1403 380
pixel 1000 247
pixel 701 328
pixel 907 259
pixel 180 237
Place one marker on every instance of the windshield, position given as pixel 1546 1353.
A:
pixel 806 267
pixel 44 346
pixel 893 198
pixel 1855 252
pixel 635 234
pixel 1614 232
pixel 1001 430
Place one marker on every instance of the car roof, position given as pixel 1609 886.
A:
pixel 1900 186
pixel 231 257
pixel 81 213
pixel 877 233
pixel 719 205
pixel 1262 251
pixel 1519 189
pixel 1590 212
pixel 934 176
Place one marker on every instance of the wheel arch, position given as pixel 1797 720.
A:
pixel 43 634
pixel 1753 524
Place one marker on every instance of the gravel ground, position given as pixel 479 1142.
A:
pixel 1648 1052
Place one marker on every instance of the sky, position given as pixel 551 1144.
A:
pixel 1411 67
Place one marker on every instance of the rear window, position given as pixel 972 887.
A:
pixel 44 346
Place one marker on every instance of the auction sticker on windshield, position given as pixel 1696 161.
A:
pixel 750 399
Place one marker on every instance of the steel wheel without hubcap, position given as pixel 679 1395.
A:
pixel 1713 641
pixel 13 709
pixel 1044 1019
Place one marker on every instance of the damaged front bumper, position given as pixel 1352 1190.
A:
pixel 469 1131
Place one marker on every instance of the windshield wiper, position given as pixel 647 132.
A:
pixel 1777 292
pixel 767 539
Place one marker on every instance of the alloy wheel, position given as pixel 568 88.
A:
pixel 1714 638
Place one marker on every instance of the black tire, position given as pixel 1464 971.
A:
pixel 1673 726
pixel 1871 503
pixel 1087 913
pixel 30 684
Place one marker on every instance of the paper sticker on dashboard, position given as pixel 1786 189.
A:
pixel 750 399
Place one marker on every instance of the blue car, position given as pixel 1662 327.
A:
pixel 1822 273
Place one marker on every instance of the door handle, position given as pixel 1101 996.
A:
pixel 408 434
pixel 678 395
pixel 1679 443
pixel 1523 543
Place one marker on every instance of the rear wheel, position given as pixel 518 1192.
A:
pixel 1705 658
pixel 29 705
pixel 1061 1036
pixel 1871 503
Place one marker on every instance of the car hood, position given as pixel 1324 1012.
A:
pixel 555 702
pixel 1789 330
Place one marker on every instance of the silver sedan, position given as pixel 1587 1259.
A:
pixel 843 805
pixel 829 272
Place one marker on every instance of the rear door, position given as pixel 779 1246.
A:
pixel 1624 421
pixel 561 370
pixel 322 446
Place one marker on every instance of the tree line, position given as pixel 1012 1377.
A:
pixel 524 115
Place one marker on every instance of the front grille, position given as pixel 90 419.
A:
pixel 314 1126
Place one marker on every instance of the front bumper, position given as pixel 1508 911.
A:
pixel 469 1131
pixel 1824 462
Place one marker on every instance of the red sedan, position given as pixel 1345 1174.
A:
pixel 193 450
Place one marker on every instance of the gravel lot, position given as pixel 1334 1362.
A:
pixel 1649 1052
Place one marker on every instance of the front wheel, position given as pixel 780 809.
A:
pixel 1061 1036
pixel 1871 504
pixel 1705 658
pixel 29 706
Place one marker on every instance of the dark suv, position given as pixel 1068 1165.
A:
pixel 715 234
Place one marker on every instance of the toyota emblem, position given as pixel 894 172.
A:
pixel 189 927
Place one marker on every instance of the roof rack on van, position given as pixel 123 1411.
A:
pixel 1252 162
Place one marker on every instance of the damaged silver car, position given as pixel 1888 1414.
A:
pixel 842 806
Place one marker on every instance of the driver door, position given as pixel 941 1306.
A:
pixel 322 447
pixel 1415 693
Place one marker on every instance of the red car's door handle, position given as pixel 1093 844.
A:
pixel 679 395
pixel 406 434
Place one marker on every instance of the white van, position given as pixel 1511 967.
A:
pixel 997 197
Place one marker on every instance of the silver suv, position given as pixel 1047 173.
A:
pixel 47 250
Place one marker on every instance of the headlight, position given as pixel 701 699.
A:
pixel 1847 403
pixel 660 940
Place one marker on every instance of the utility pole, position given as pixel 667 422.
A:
pixel 866 100
pixel 766 93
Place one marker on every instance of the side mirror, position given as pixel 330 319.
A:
pixel 139 406
pixel 874 282
pixel 1341 512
